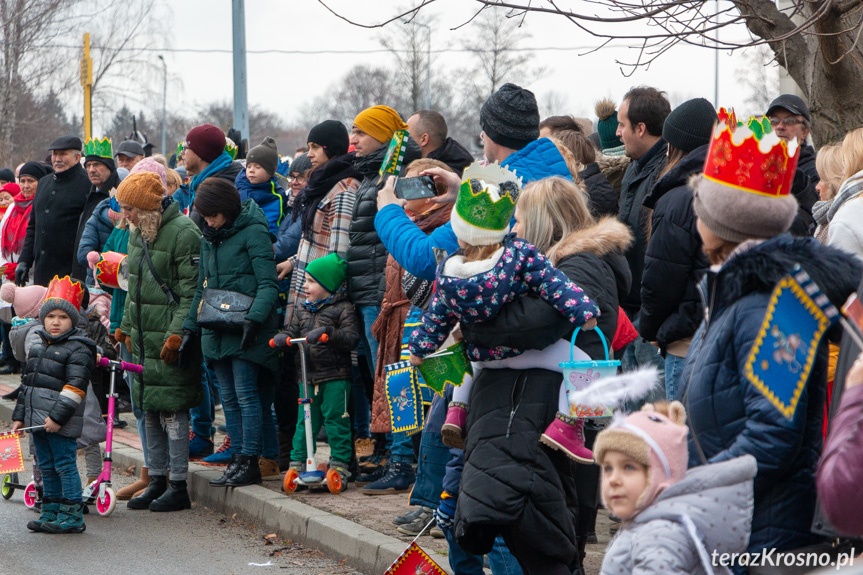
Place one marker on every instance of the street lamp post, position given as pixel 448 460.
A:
pixel 164 107
pixel 428 64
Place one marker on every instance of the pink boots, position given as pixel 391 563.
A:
pixel 566 434
pixel 453 428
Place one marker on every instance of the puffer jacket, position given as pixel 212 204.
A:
pixel 150 318
pixel 96 232
pixel 671 307
pixel 239 258
pixel 55 380
pixel 330 361
pixel 95 197
pixel 603 198
pixel 270 197
pixel 714 499
pixel 729 417
pixel 367 256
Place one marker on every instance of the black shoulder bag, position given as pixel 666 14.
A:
pixel 172 297
pixel 223 310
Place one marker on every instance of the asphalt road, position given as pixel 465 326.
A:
pixel 145 543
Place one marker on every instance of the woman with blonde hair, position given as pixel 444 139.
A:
pixel 846 210
pixel 830 163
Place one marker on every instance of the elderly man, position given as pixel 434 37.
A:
pixel 49 247
pixel 128 154
pixel 103 178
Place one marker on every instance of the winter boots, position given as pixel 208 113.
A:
pixel 453 428
pixel 175 498
pixel 69 519
pixel 49 513
pixel 222 456
pixel 269 469
pixel 567 434
pixel 158 485
pixel 129 491
pixel 248 472
pixel 399 478
pixel 229 472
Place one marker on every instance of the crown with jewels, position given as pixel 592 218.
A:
pixel 750 156
pixel 101 148
pixel 487 196
pixel 66 288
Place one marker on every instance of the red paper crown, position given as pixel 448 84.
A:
pixel 67 289
pixel 751 157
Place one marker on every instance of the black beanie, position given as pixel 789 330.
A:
pixel 332 136
pixel 109 162
pixel 690 125
pixel 7 175
pixel 35 170
pixel 510 117
pixel 266 154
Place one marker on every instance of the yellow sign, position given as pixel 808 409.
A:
pixel 86 71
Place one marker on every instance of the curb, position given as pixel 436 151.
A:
pixel 363 548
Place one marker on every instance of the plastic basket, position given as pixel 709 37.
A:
pixel 577 375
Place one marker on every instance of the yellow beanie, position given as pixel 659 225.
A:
pixel 142 190
pixel 380 122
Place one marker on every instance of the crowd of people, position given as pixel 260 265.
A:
pixel 659 237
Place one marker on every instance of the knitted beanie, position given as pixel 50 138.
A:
pixel 690 125
pixel 7 175
pixel 150 165
pixel 510 117
pixel 332 136
pixel 11 188
pixel 25 300
pixel 652 439
pixel 380 122
pixel 54 303
pixel 266 155
pixel 64 294
pixel 207 141
pixel 606 125
pixel 35 170
pixel 329 271
pixel 300 165
pixel 142 190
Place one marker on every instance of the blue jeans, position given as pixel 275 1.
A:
pixel 401 447
pixel 369 313
pixel 203 415
pixel 500 559
pixel 241 401
pixel 269 432
pixel 673 371
pixel 57 460
pixel 140 420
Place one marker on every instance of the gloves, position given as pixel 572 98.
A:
pixel 123 338
pixel 445 513
pixel 250 333
pixel 10 271
pixel 184 353
pixel 280 339
pixel 170 351
pixel 22 274
pixel 315 335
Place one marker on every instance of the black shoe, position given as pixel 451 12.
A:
pixel 9 369
pixel 399 478
pixel 12 395
pixel 229 472
pixel 365 479
pixel 176 498
pixel 248 472
pixel 157 486
pixel 119 423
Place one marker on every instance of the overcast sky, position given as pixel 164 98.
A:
pixel 283 82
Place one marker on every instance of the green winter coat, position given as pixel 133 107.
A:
pixel 149 318
pixel 240 258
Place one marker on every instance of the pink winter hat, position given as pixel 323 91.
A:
pixel 151 165
pixel 25 300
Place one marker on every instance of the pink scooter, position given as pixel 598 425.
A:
pixel 99 491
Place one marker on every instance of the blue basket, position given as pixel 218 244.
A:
pixel 577 375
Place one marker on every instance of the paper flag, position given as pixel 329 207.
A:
pixel 414 561
pixel 11 459
pixel 403 397
pixel 450 368
pixel 395 156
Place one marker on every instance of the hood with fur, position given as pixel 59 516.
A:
pixel 607 236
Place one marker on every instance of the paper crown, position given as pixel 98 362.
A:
pixel 751 157
pixel 101 148
pixel 231 148
pixel 66 288
pixel 488 196
pixel 112 270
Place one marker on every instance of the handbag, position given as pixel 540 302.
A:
pixel 223 310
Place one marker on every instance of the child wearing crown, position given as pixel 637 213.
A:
pixel 54 385
pixel 490 270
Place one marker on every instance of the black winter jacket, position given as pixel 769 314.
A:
pixel 367 256
pixel 49 245
pixel 806 162
pixel 94 198
pixel 671 307
pixel 729 417
pixel 803 190
pixel 603 198
pixel 637 183
pixel 329 361
pixel 453 155
pixel 55 380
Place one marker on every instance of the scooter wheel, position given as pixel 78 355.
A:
pixel 6 490
pixel 290 483
pixel 105 505
pixel 31 495
pixel 334 482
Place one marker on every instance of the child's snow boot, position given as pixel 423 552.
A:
pixel 567 434
pixel 70 519
pixel 49 513
pixel 453 429
pixel 176 498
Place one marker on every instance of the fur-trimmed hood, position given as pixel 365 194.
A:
pixel 612 165
pixel 607 236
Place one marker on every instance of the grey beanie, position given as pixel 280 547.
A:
pixel 301 164
pixel 266 154
pixel 510 117
pixel 690 125
pixel 53 303
pixel 736 215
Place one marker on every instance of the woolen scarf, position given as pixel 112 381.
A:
pixel 322 180
pixel 16 225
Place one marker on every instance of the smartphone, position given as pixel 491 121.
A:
pixel 415 188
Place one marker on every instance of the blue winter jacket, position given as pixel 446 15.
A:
pixel 729 417
pixel 414 250
pixel 96 232
pixel 270 197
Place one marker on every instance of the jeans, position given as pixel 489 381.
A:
pixel 638 354
pixel 673 371
pixel 269 432
pixel 168 441
pixel 241 402
pixel 57 461
pixel 500 559
pixel 140 420
pixel 204 414
pixel 401 447
pixel 329 407
pixel 368 314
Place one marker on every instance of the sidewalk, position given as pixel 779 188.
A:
pixel 349 526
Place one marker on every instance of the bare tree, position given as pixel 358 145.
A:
pixel 409 46
pixel 360 88
pixel 759 72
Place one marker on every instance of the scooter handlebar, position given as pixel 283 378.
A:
pixel 287 342
pixel 133 367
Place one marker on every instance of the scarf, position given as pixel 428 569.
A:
pixel 16 225
pixel 323 179
pixel 850 189
pixel 220 163
pixel 314 306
